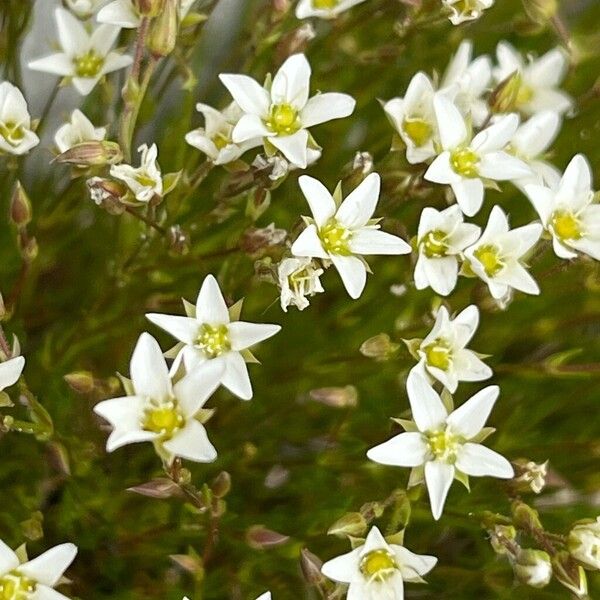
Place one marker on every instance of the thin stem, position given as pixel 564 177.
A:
pixel 140 43
pixel 561 30
pixel 47 108
pixel 146 220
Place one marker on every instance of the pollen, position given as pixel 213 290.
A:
pixel 164 418
pixel 489 257
pixel 12 132
pixel 220 140
pixel 378 565
pixel 325 4
pixel 214 340
pixel 566 225
pixel 88 64
pixel 434 244
pixel 443 445
pixel 465 162
pixel 335 238
pixel 14 586
pixel 283 119
pixel 438 354
pixel 418 130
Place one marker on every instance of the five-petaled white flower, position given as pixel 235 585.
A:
pixel 159 411
pixel 377 570
pixel 123 13
pixel 343 234
pixel 299 278
pixel 443 353
pixel 84 8
pixel 324 9
pixel 538 79
pixel 529 143
pixel 568 211
pixel 85 58
pixel 214 139
pixel 497 254
pixel 209 333
pixel 466 161
pixel 282 114
pixel 145 181
pixel 35 578
pixel 77 130
pixel 441 239
pixel 414 119
pixel 466 10
pixel 469 80
pixel 16 136
pixel 445 445
pixel 10 371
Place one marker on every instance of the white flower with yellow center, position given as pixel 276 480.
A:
pixel 85 58
pixel 539 79
pixel 441 239
pixel 324 9
pixel 160 411
pixel 34 579
pixel 77 130
pixel 414 119
pixel 145 181
pixel 16 136
pixel 123 13
pixel 444 355
pixel 569 212
pixel 466 161
pixel 343 234
pixel 282 114
pixel 446 446
pixel 529 143
pixel 214 139
pixel 84 8
pixel 377 570
pixel 497 256
pixel 468 80
pixel 210 334
pixel 10 371
pixel 466 10
pixel 584 543
pixel 299 278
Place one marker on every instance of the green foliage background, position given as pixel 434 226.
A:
pixel 82 308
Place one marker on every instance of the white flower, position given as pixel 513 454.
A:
pixel 343 234
pixel 584 543
pixel 443 353
pixel 277 164
pixel 496 256
pixel 441 239
pixel 446 445
pixel 533 568
pixel 214 139
pixel 466 161
pixel 79 129
pixel 159 411
pixel 16 136
pixel 145 181
pixel 123 13
pixel 282 114
pixel 210 334
pixel 85 57
pixel 324 9
pixel 539 79
pixel 298 278
pixel 10 371
pixel 529 143
pixel 36 578
pixel 414 119
pixel 469 80
pixel 466 10
pixel 377 570
pixel 568 211
pixel 84 8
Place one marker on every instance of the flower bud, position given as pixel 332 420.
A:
pixel 504 98
pixel 530 476
pixel 584 543
pixel 525 517
pixel 20 206
pixel 163 34
pixel 82 382
pixel 502 539
pixel 336 397
pixel 353 524
pixel 311 567
pixel 533 568
pixel 296 41
pixel 221 484
pixel 92 154
pixel 540 11
pixel 570 574
pixel 148 8
pixel 379 347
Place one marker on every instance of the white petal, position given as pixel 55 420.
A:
pixel 249 127
pixel 57 64
pixel 576 182
pixel 536 135
pixel 119 12
pixel 428 410
pixel 309 244
pixel 193 390
pixel 496 136
pixel 43 592
pixel 210 304
pixel 342 568
pixel 479 461
pixel 501 166
pixel 192 443
pixel 441 171
pixel 451 124
pixel 469 418
pixel 115 61
pixel 550 69
pixel 149 371
pixel 438 477
pixel 85 85
pixel 405 450
pixel 518 277
pixel 291 82
pixel 8 559
pixel 321 202
pixel 294 147
pixel 184 329
pixel 251 97
pixel 10 371
pixel 372 241
pixel 441 273
pixel 413 565
pixel 236 378
pixel 104 37
pixel 470 367
pixel 465 325
pixel 542 199
pixel 359 205
pixel 353 273
pixel 549 99
pixel 374 541
pixel 71 32
pixel 49 567
pixel 243 335
pixel 469 195
pixel 326 107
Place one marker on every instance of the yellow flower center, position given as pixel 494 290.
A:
pixel 465 6
pixel 221 141
pixel 378 565
pixel 418 130
pixel 434 244
pixel 566 225
pixel 164 418
pixel 12 132
pixel 438 354
pixel 88 64
pixel 524 95
pixel 14 586
pixel 464 161
pixel 443 445
pixel 325 4
pixel 489 257
pixel 335 238
pixel 145 180
pixel 213 340
pixel 283 119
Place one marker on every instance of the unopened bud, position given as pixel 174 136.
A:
pixel 163 33
pixel 148 8
pixel 504 97
pixel 355 171
pixel 261 538
pixel 570 574
pixel 353 524
pixel 540 11
pixel 525 517
pixel 503 540
pixel 28 247
pixel 379 347
pixel 81 382
pixel 20 206
pixel 259 201
pixel 530 476
pixel 2 308
pixel 584 543
pixel 296 41
pixel 533 568
pixel 336 397
pixel 311 567
pixel 221 485
pixel 255 239
pixel 92 154
pixel 107 193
